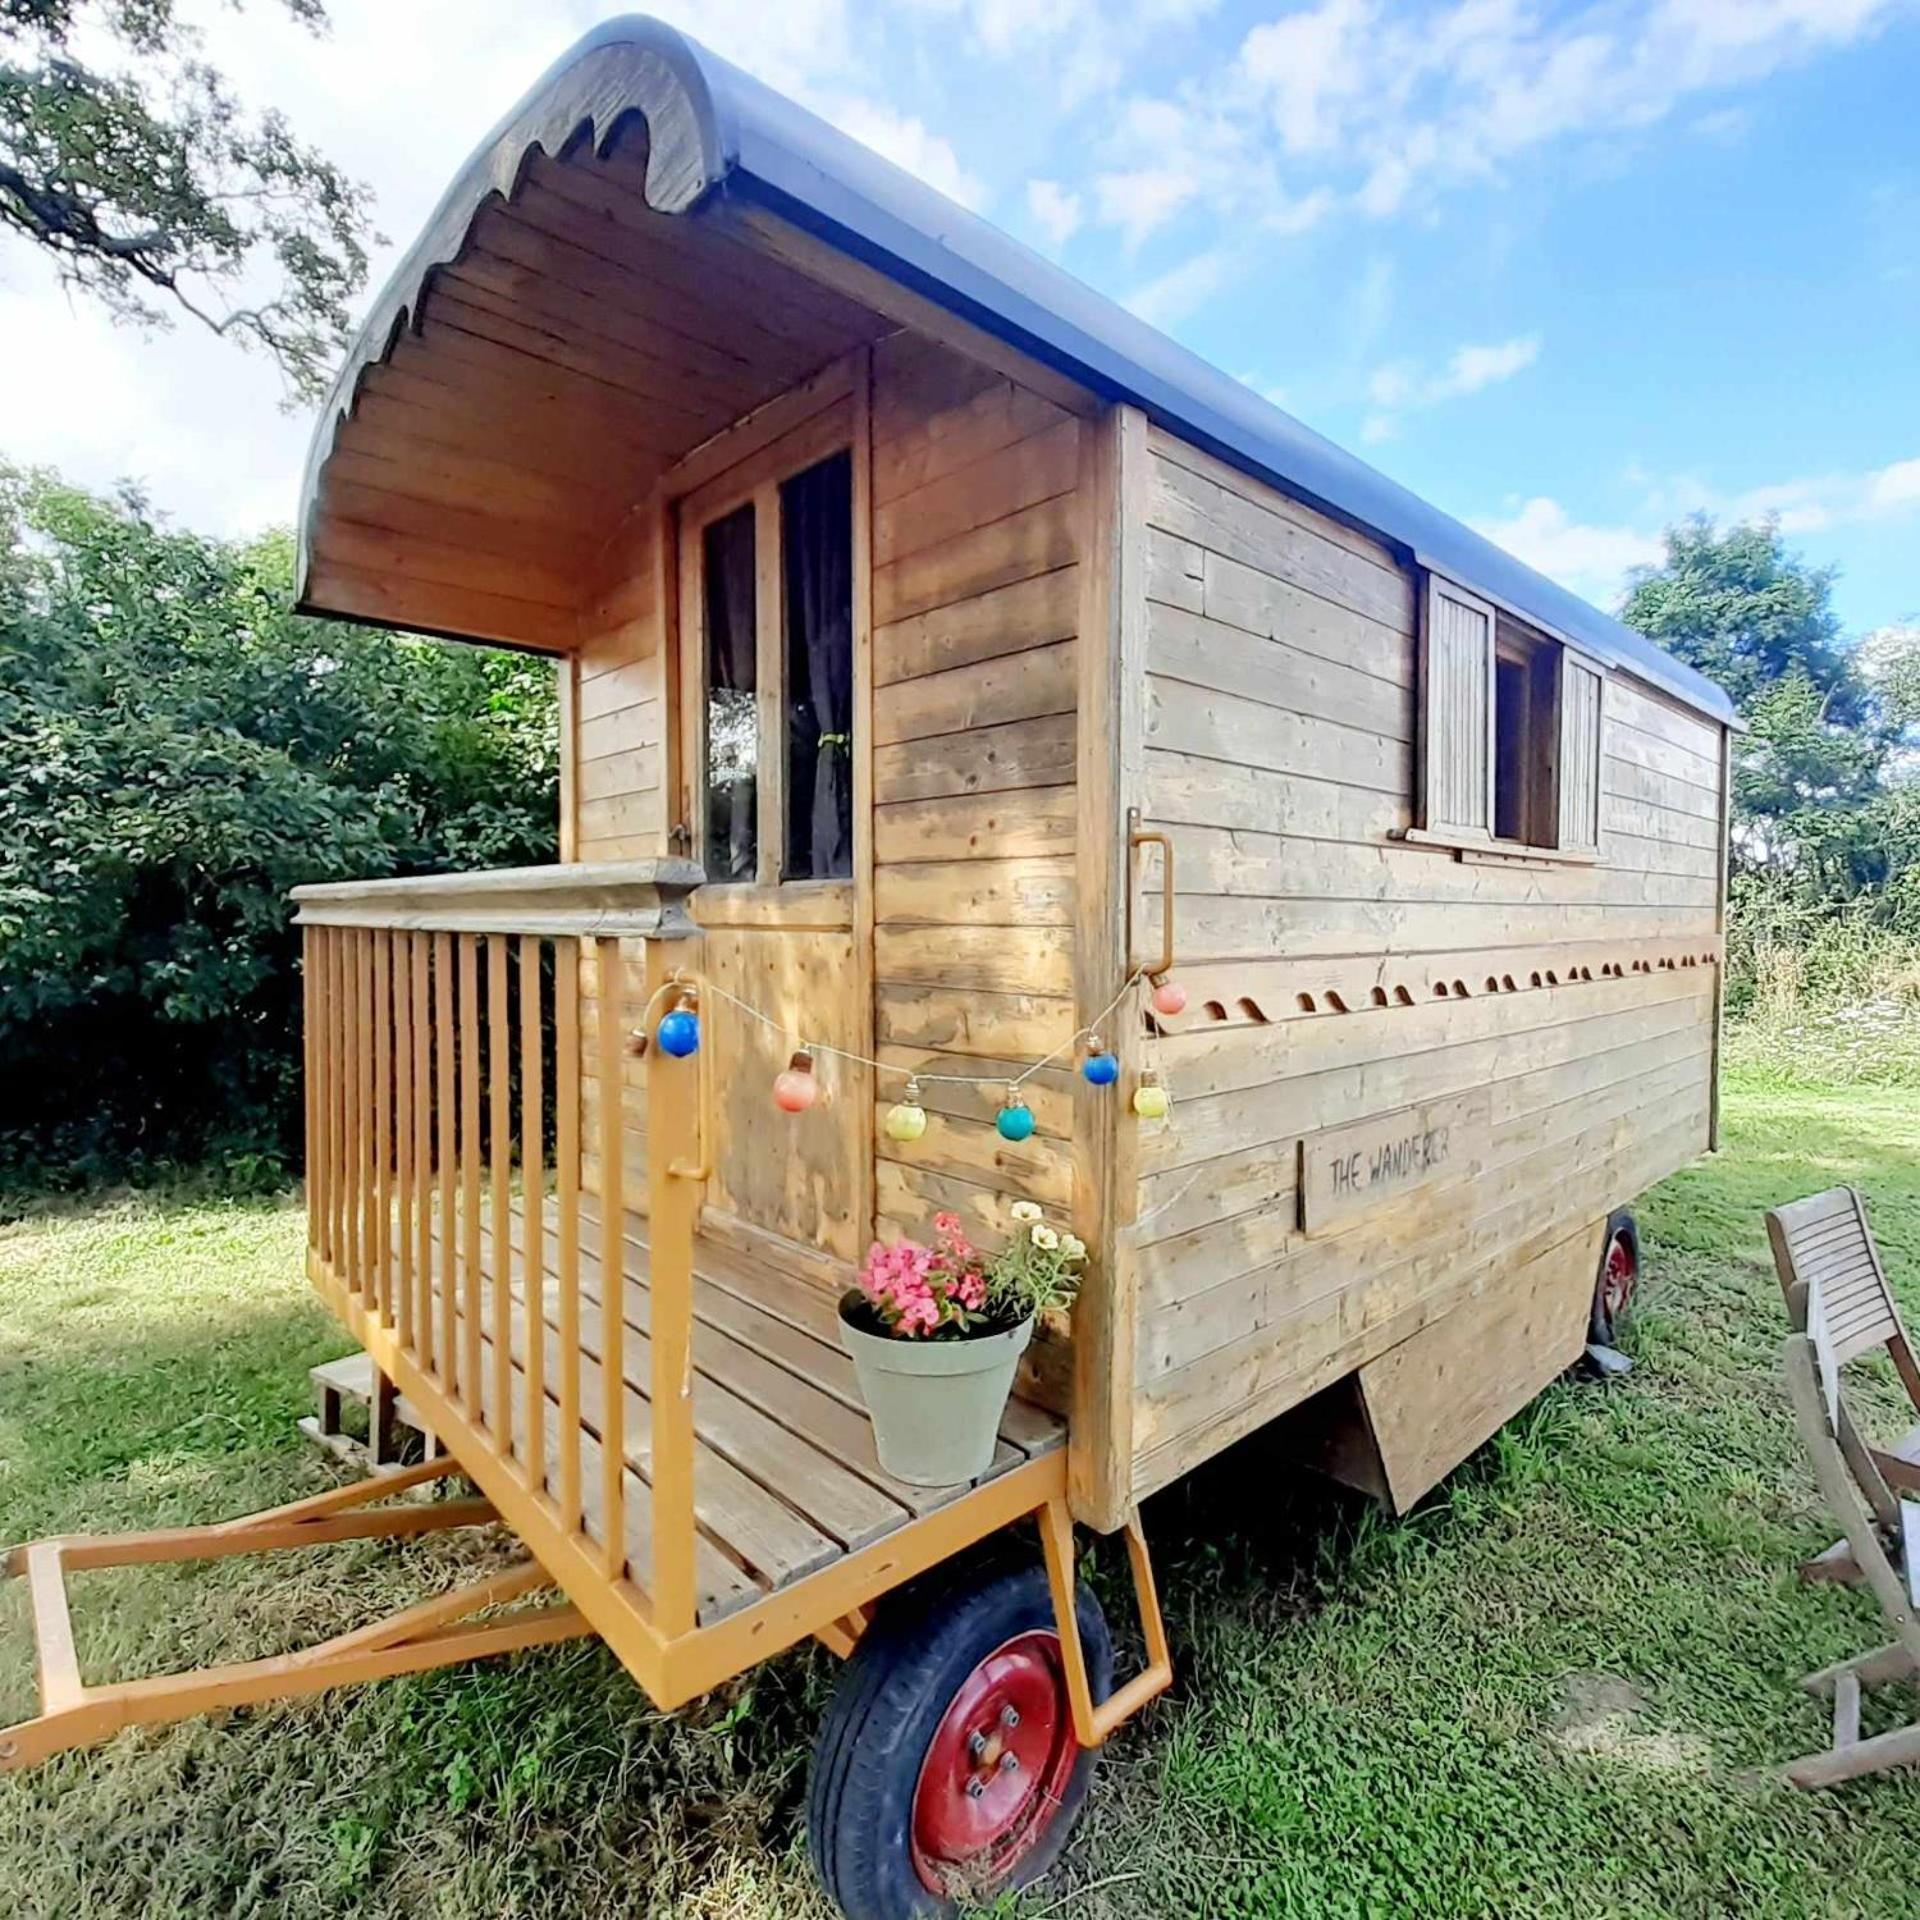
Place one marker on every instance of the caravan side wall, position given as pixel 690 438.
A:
pixel 1343 977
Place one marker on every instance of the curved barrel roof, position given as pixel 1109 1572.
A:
pixel 715 130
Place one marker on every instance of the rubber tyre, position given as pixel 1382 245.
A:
pixel 1604 1323
pixel 910 1664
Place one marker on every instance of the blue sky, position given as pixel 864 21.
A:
pixel 1569 269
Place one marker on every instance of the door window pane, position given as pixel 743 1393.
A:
pixel 732 722
pixel 816 560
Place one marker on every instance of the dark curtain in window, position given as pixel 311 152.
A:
pixel 733 725
pixel 816 510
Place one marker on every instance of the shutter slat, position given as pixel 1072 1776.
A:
pixel 1457 709
pixel 1580 723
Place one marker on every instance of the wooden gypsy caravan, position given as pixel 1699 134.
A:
pixel 946 657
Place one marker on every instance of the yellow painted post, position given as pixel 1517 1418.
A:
pixel 446 1148
pixel 364 1097
pixel 383 1121
pixel 674 1185
pixel 613 1425
pixel 471 1396
pixel 342 997
pixel 566 1182
pixel 533 1199
pixel 309 1077
pixel 357 1103
pixel 500 1156
pixel 403 1111
pixel 422 1344
pixel 319 1012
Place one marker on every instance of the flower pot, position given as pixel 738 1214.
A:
pixel 935 1404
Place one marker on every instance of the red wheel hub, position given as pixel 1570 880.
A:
pixel 996 1768
pixel 1617 1277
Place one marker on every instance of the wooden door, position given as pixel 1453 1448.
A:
pixel 774 804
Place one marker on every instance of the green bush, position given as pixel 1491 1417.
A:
pixel 1786 951
pixel 177 751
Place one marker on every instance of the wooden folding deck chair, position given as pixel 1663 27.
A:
pixel 1824 1241
pixel 1882 1535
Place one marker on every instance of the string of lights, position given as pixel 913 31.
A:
pixel 795 1088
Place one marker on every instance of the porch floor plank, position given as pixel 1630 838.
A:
pixel 786 1476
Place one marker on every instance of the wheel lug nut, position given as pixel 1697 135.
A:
pixel 1009 1717
pixel 1009 1763
pixel 976 1744
pixel 975 1788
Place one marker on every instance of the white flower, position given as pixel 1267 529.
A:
pixel 1073 1246
pixel 1045 1238
pixel 1025 1212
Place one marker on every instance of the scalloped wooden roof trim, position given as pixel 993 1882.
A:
pixel 647 70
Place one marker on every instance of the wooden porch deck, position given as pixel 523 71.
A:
pixel 786 1477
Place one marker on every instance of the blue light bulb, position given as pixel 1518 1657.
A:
pixel 679 1033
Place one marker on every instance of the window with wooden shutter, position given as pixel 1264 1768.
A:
pixel 1581 705
pixel 1456 701
pixel 1510 730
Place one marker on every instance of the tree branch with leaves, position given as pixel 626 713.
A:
pixel 153 189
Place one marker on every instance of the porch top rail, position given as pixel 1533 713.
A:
pixel 630 899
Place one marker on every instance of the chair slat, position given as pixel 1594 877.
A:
pixel 1815 1208
pixel 1834 1256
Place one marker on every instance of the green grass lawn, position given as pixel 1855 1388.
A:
pixel 1562 1686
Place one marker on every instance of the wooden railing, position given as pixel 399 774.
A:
pixel 444 1070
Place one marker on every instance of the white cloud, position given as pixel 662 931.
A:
pixel 1468 370
pixel 1168 299
pixel 1594 558
pixel 1401 386
pixel 1310 65
pixel 1057 211
pixel 1008 27
pixel 1894 489
pixel 1143 200
pixel 1591 560
pixel 1725 126
pixel 1811 504
pixel 1088 45
pixel 1386 104
pixel 1290 217
pixel 907 143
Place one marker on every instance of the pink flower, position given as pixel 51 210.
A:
pixel 919 1290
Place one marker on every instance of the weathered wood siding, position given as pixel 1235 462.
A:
pixel 1340 973
pixel 613 780
pixel 976 534
pixel 976 524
